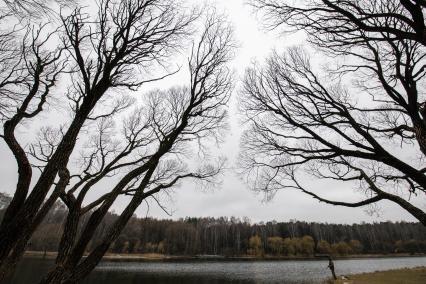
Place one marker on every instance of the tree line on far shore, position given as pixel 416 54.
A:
pixel 237 237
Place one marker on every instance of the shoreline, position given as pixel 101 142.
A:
pixel 414 275
pixel 174 258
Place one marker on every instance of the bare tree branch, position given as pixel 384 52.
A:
pixel 352 123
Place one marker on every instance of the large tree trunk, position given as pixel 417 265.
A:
pixel 73 270
pixel 8 267
pixel 68 270
pixel 56 276
pixel 70 253
pixel 21 223
pixel 24 171
pixel 8 263
pixel 88 264
pixel 69 234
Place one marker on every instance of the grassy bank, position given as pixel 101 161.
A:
pixel 399 276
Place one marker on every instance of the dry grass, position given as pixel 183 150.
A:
pixel 400 276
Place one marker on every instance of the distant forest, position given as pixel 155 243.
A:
pixel 238 237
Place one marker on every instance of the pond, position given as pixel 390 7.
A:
pixel 215 272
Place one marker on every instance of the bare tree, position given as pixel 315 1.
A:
pixel 343 20
pixel 114 50
pixel 35 8
pixel 356 124
pixel 156 140
pixel 11 72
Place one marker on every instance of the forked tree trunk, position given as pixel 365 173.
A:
pixel 83 269
pixel 8 263
pixel 23 223
pixel 73 269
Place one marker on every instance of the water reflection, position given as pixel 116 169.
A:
pixel 241 272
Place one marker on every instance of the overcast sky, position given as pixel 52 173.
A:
pixel 233 198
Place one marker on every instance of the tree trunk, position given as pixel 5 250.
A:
pixel 69 234
pixel 17 249
pixel 76 270
pixel 7 269
pixel 420 132
pixel 11 231
pixel 55 276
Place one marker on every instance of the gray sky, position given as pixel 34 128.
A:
pixel 233 198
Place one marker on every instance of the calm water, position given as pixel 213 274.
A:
pixel 243 272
